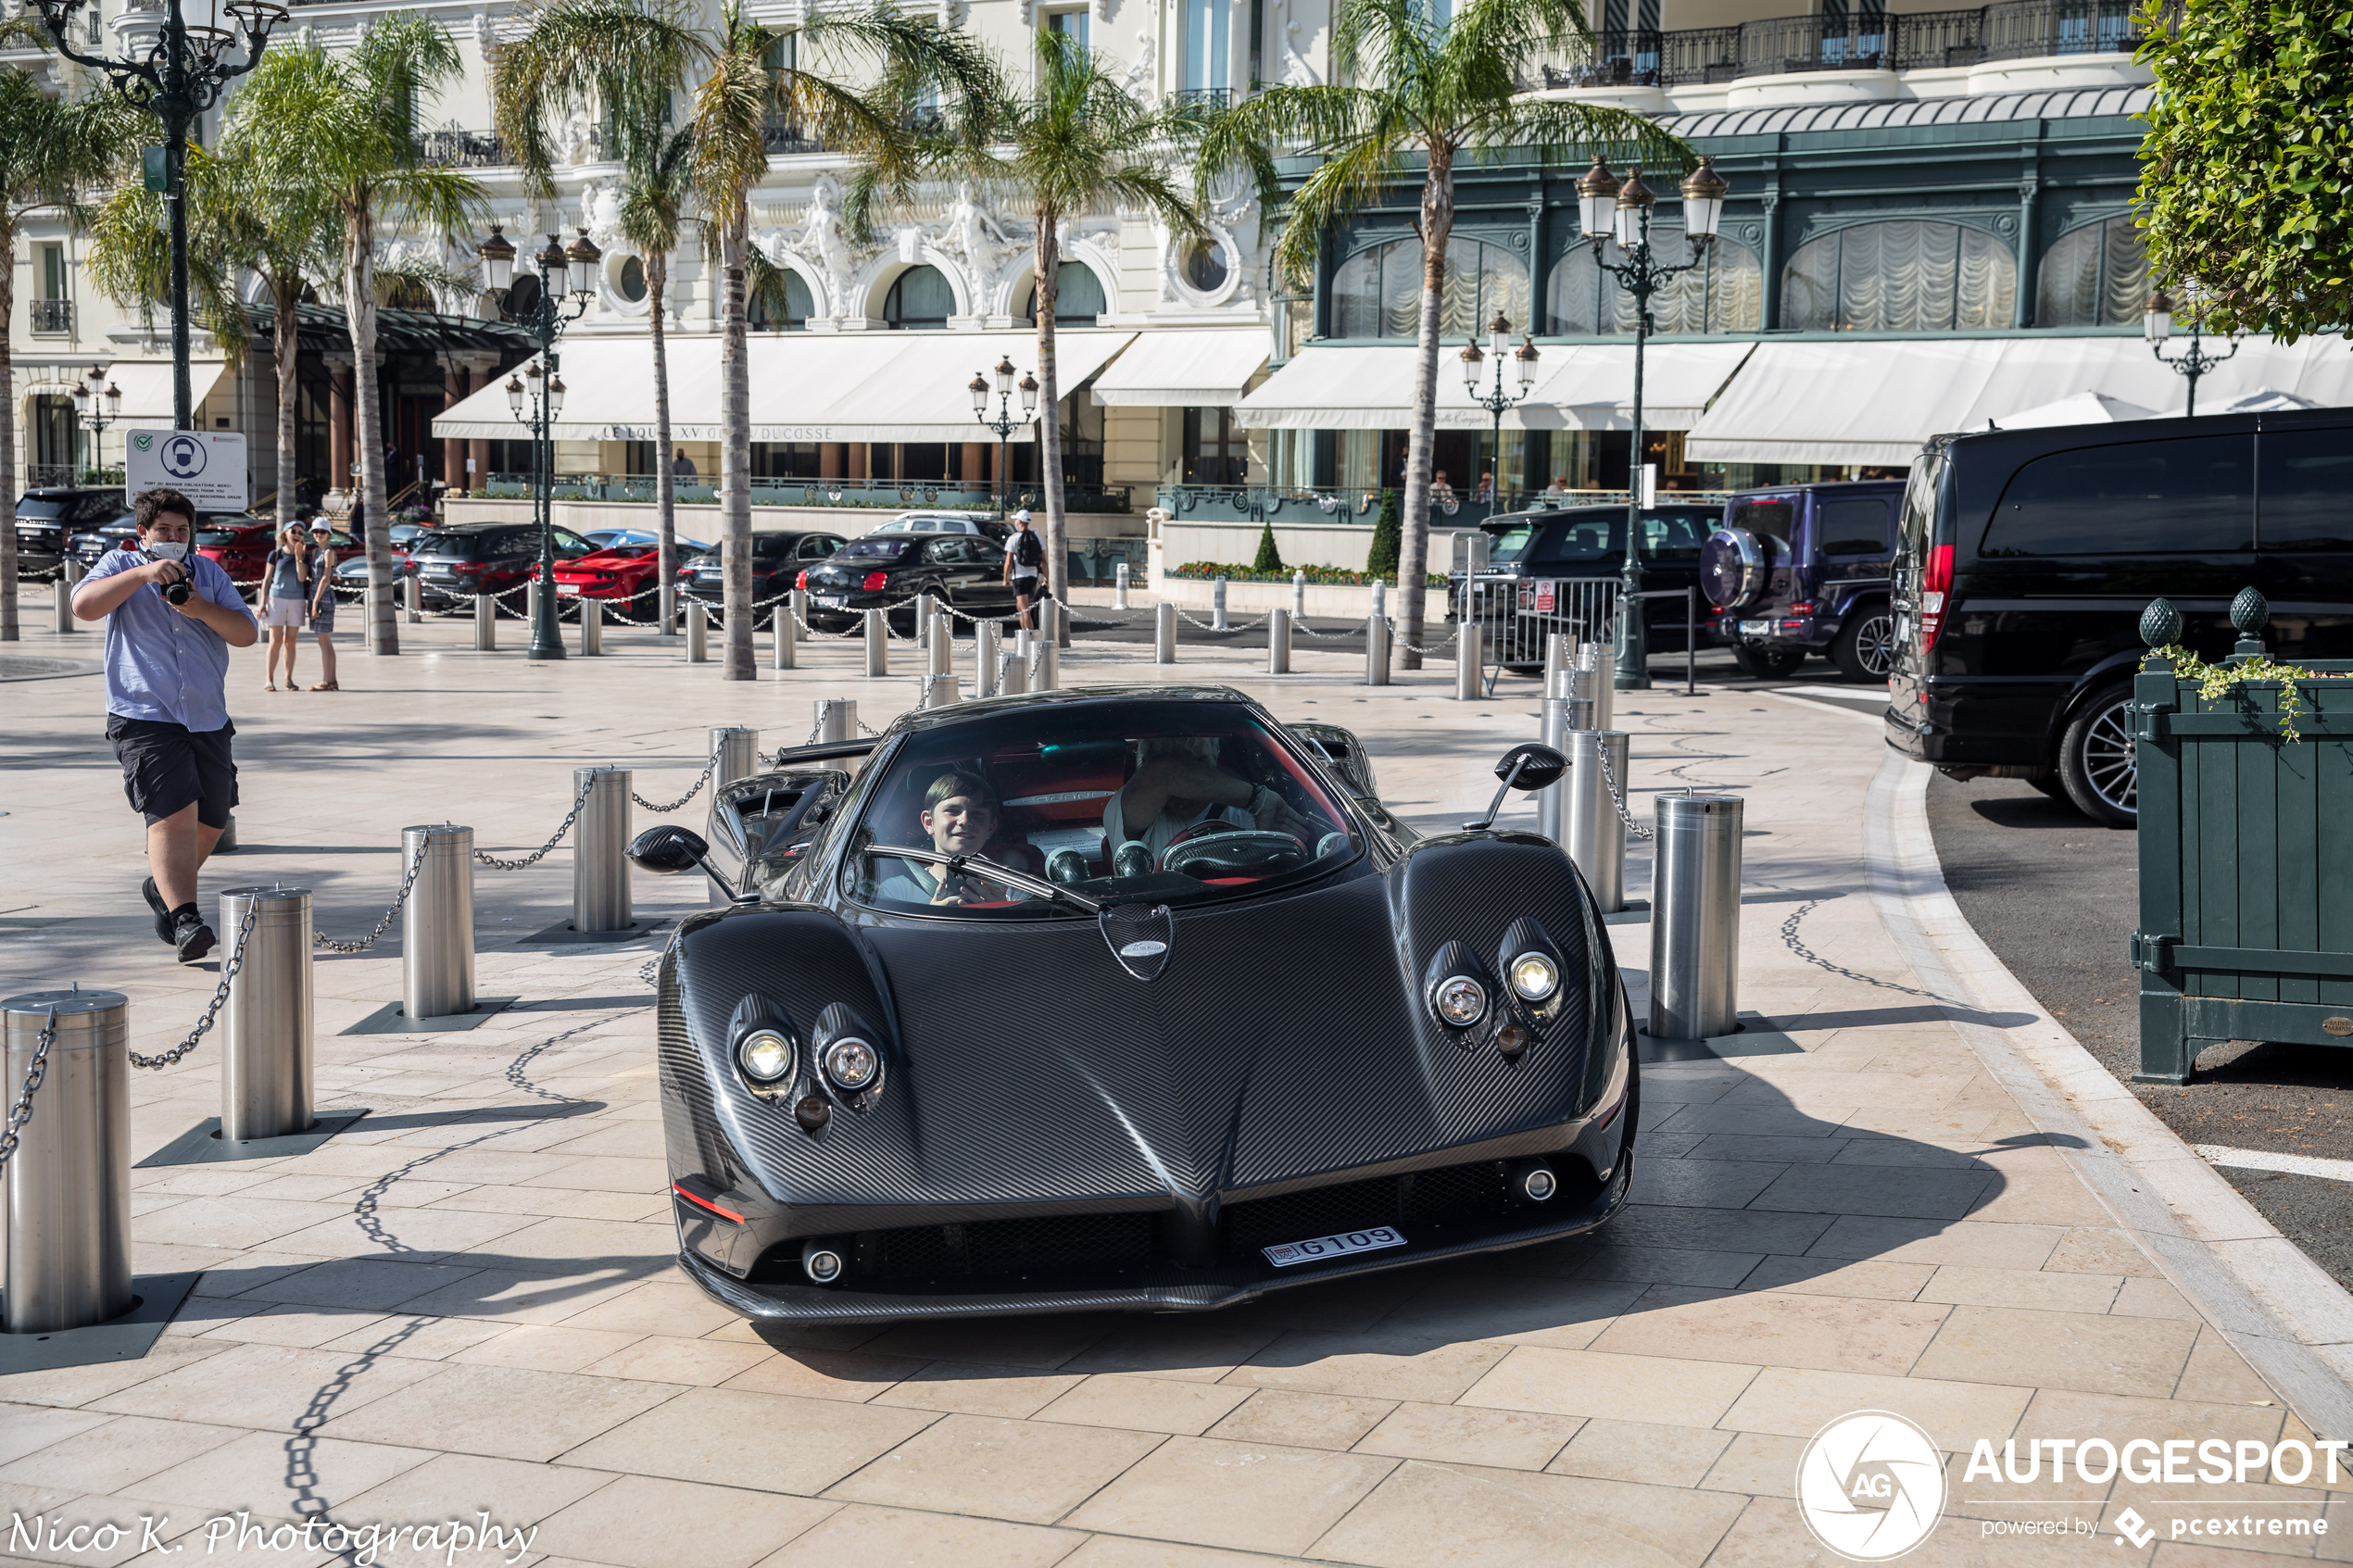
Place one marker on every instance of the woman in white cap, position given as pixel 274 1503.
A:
pixel 322 598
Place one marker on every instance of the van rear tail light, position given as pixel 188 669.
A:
pixel 1936 585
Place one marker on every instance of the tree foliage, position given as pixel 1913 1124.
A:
pixel 1269 558
pixel 2246 171
pixel 1387 530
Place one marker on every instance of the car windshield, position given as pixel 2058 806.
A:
pixel 1512 542
pixel 1149 802
pixel 463 546
pixel 217 536
pixel 876 549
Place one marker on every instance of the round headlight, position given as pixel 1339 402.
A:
pixel 766 1055
pixel 1459 1000
pixel 851 1065
pixel 1534 976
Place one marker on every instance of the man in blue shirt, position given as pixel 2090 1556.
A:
pixel 171 618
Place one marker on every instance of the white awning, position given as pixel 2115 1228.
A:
pixel 805 386
pixel 1582 386
pixel 1877 402
pixel 146 385
pixel 1184 370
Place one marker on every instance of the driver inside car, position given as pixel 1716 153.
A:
pixel 1178 786
pixel 961 814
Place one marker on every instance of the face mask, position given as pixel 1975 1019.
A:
pixel 168 549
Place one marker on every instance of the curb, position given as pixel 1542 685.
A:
pixel 2278 1308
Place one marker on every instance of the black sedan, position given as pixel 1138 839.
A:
pixel 50 518
pixel 87 548
pixel 777 562
pixel 1005 1024
pixel 885 570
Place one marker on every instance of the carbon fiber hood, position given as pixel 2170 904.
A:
pixel 1285 1039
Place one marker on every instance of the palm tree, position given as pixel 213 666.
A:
pixel 341 130
pixel 239 221
pixel 52 150
pixel 1413 94
pixel 639 53
pixel 1069 143
pixel 657 164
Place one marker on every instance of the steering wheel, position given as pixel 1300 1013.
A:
pixel 1230 851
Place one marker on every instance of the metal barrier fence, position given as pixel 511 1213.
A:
pixel 1516 616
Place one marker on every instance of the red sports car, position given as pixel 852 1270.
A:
pixel 239 545
pixel 622 573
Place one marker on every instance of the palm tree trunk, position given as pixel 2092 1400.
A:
pixel 284 344
pixel 8 632
pixel 1050 426
pixel 367 435
pixel 1413 550
pixel 665 488
pixel 734 448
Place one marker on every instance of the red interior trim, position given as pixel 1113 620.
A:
pixel 706 1203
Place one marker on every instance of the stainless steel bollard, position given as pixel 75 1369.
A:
pixel 485 624
pixel 1163 633
pixel 697 631
pixel 437 924
pixel 878 644
pixel 1278 642
pixel 939 646
pixel 1380 597
pixel 1470 648
pixel 1597 660
pixel 1376 649
pixel 592 627
pixel 531 604
pixel 1217 607
pixel 265 1050
pixel 412 600
pixel 1299 592
pixel 738 749
pixel 1592 833
pixel 1695 917
pixel 797 601
pixel 666 606
pixel 72 571
pixel 1049 658
pixel 925 605
pixel 780 630
pixel 1560 654
pixel 1016 664
pixel 836 720
pixel 1119 587
pixel 599 846
pixel 61 605
pixel 984 641
pixel 1556 734
pixel 67 1192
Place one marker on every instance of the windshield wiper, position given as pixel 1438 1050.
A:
pixel 960 864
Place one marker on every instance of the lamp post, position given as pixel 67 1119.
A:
pixel 179 78
pixel 535 399
pixel 2157 325
pixel 1622 212
pixel 97 403
pixel 1004 424
pixel 1499 347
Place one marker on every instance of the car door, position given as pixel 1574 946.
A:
pixel 2304 539
pixel 1853 537
pixel 949 571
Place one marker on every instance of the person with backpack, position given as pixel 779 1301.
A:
pixel 1024 556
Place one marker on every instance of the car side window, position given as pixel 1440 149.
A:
pixel 1852 526
pixel 573 543
pixel 2307 485
pixel 2188 496
pixel 514 547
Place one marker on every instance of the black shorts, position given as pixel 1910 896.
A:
pixel 164 766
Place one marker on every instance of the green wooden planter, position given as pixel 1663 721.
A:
pixel 2245 855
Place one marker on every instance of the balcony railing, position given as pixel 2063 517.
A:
pixel 1207 97
pixel 788 136
pixel 461 149
pixel 2007 30
pixel 52 315
pixel 895 495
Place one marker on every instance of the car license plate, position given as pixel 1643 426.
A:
pixel 1757 628
pixel 1284 1254
pixel 563 588
pixel 830 601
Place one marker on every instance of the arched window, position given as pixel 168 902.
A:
pixel 761 309
pixel 1078 296
pixel 1378 292
pixel 920 297
pixel 2094 276
pixel 1726 294
pixel 1900 276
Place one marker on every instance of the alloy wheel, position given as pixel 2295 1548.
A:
pixel 1875 645
pixel 2110 758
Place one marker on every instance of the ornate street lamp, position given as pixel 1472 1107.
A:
pixel 1004 424
pixel 179 78
pixel 538 395
pixel 1618 211
pixel 1499 348
pixel 97 404
pixel 2157 325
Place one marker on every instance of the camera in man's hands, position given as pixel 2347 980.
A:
pixel 173 593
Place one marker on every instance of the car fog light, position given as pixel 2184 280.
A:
pixel 1537 1183
pixel 1459 1000
pixel 1535 977
pixel 812 1112
pixel 850 1064
pixel 766 1055
pixel 1512 1039
pixel 821 1263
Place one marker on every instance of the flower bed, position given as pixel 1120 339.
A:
pixel 1331 575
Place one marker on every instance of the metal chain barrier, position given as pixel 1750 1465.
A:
pixel 495 864
pixel 235 962
pixel 1231 625
pixel 407 882
pixel 700 780
pixel 21 1111
pixel 1617 796
pixel 1416 647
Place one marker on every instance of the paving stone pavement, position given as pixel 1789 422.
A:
pixel 467 1305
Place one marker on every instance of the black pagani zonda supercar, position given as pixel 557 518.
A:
pixel 1122 998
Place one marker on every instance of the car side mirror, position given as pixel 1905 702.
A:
pixel 1531 766
pixel 667 849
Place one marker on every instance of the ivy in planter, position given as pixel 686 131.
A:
pixel 2218 681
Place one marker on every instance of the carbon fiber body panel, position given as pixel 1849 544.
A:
pixel 1050 1132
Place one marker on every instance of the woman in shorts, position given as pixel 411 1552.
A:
pixel 286 583
pixel 323 599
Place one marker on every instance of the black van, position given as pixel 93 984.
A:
pixel 2025 558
